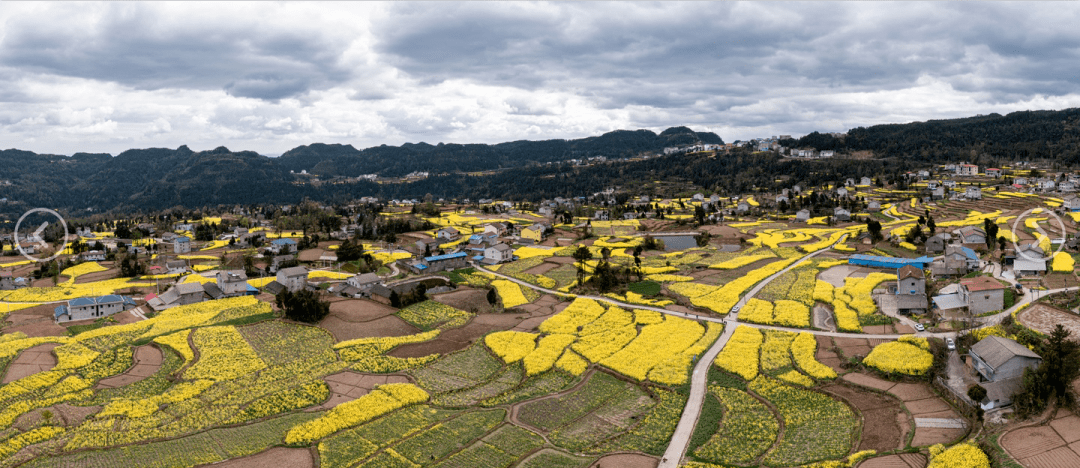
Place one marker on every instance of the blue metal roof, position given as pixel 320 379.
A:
pixel 478 258
pixel 446 257
pixel 283 242
pixel 62 310
pixel 82 301
pixel 421 267
pixel 183 239
pixel 970 254
pixel 110 298
pixel 888 262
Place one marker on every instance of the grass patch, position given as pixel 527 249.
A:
pixel 712 413
pixel 456 277
pixel 645 288
pixel 722 378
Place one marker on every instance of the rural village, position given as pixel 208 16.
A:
pixel 867 323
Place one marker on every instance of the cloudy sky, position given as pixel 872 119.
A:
pixel 271 76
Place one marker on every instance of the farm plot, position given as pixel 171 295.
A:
pixel 445 438
pixel 748 429
pixel 351 446
pixel 816 427
pixel 1049 445
pixel 1043 318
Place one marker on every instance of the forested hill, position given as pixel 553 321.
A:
pixel 158 178
pixel 985 139
pixel 396 161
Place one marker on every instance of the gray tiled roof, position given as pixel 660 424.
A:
pixel 995 350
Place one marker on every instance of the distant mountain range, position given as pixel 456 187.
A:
pixel 158 178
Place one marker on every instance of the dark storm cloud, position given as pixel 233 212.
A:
pixel 137 46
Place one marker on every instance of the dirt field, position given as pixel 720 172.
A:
pixel 904 460
pixel 147 361
pixel 459 338
pixel 922 403
pixel 360 318
pixel 348 386
pixel 467 299
pixel 885 424
pixel 277 457
pixel 853 346
pixel 310 255
pixel 626 460
pixel 99 276
pixel 542 268
pixel 1046 446
pixel 825 354
pixel 31 361
pixel 35 321
pixel 1043 318
pixel 344 330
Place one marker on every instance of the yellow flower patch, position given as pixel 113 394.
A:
pixel 900 357
pixel 740 355
pixel 511 346
pixel 223 355
pixel 380 401
pixel 802 350
pixel 656 344
pixel 546 353
pixel 510 292
pixel 579 313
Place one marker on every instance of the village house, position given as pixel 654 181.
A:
pixel 282 246
pixel 937 193
pixel 182 245
pixel 949 183
pixel 233 283
pixel 866 181
pixel 437 263
pixel 781 199
pixel 426 245
pixel 849 182
pixel 933 185
pixel 1030 260
pixel 601 215
pixel 841 215
pixel 181 294
pixel 972 235
pixel 982 294
pixel 534 233
pixel 293 279
pixel 176 267
pixel 1067 187
pixel 910 294
pixel 967 170
pixel 973 193
pixel 7 281
pixel 1000 364
pixel 993 172
pixel 873 206
pixel 1071 203
pixel 364 282
pixel 802 215
pixel 449 234
pixel 86 308
pixel 841 192
pixel 742 207
pixel 93 256
pixel 498 253
pixel 498 229
pixel 937 242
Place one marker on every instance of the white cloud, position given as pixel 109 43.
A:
pixel 268 77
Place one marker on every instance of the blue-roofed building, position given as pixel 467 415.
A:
pixel 88 308
pixel 440 263
pixel 282 245
pixel 182 245
pixel 893 263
